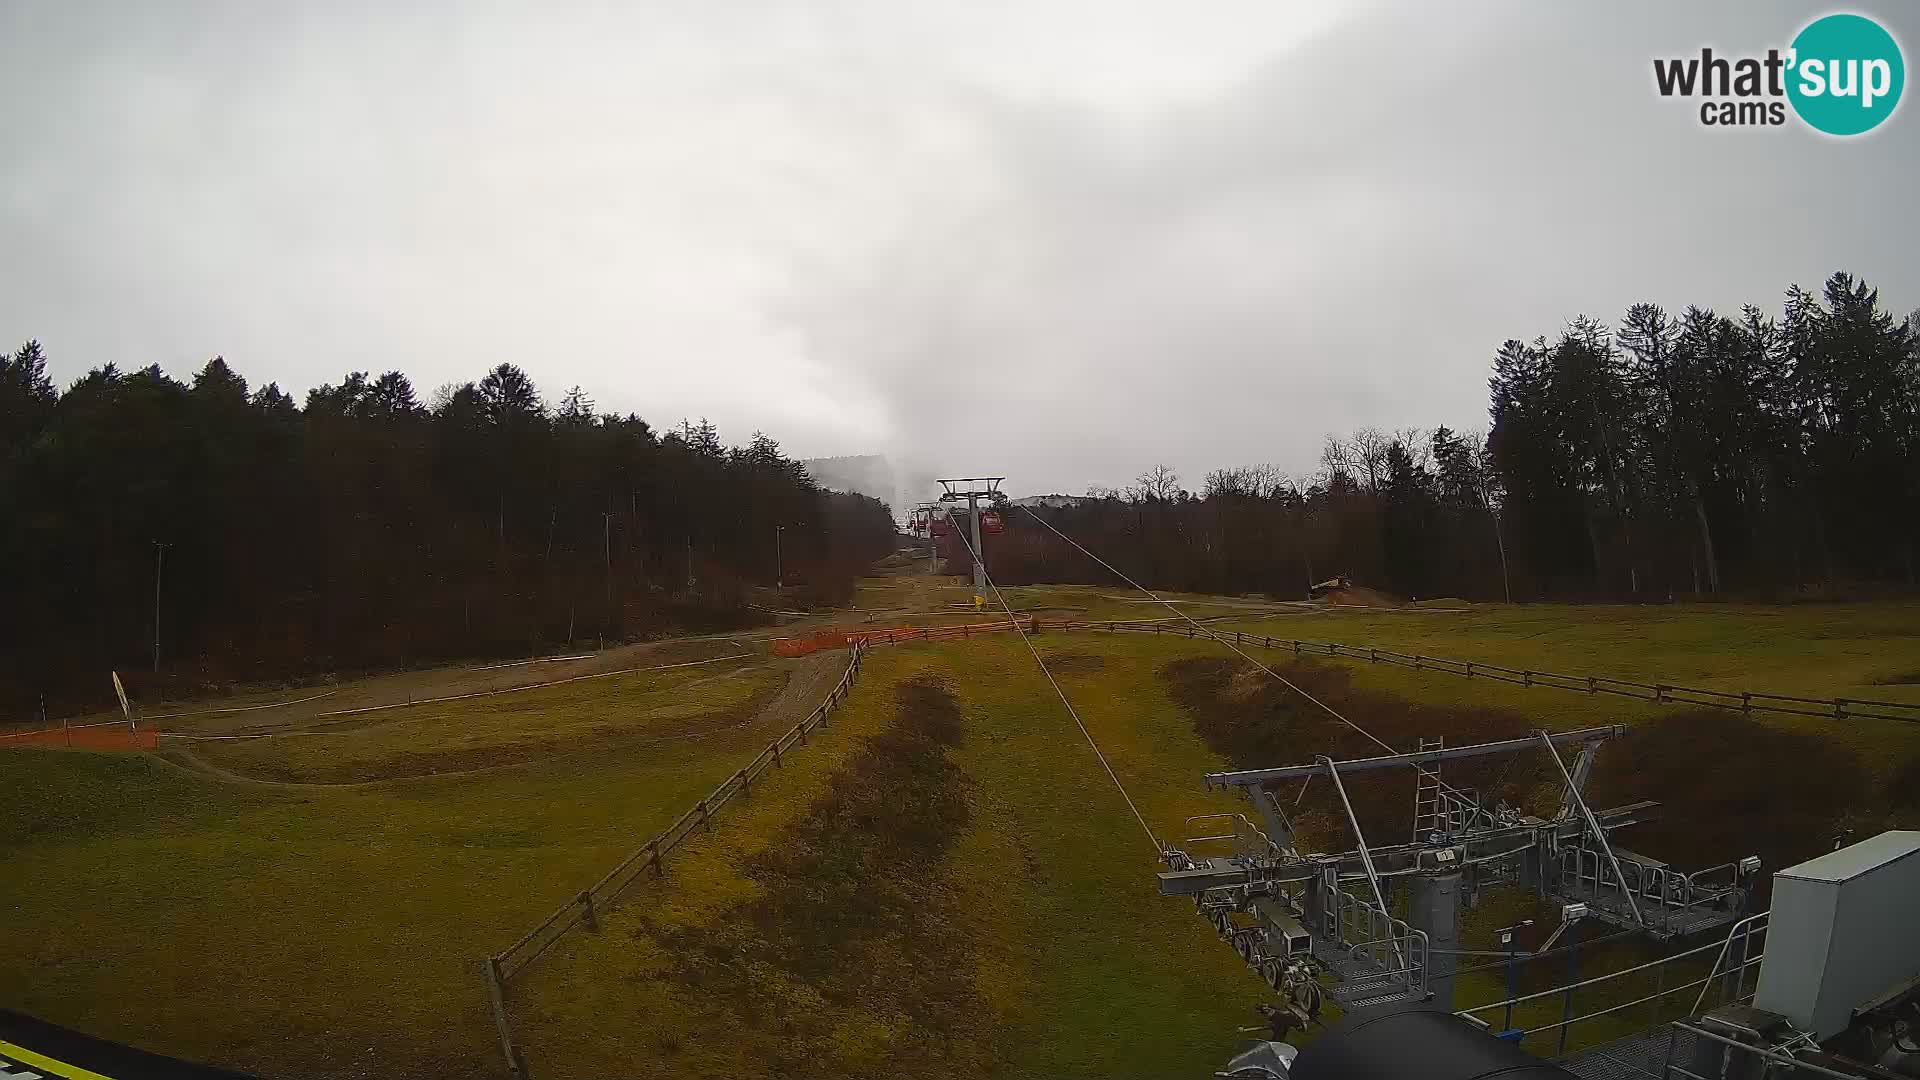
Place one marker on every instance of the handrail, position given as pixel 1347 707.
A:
pixel 1366 859
pixel 1595 980
pixel 1572 1020
pixel 1784 1059
pixel 1722 955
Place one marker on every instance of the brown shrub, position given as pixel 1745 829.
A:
pixel 1730 786
pixel 1255 722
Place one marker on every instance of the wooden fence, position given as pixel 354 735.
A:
pixel 585 907
pixel 1744 701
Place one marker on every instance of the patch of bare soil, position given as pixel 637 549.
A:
pixel 1361 596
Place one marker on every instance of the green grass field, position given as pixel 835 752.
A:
pixel 319 906
pixel 308 931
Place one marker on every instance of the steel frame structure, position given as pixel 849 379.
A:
pixel 1276 904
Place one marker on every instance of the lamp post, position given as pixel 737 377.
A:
pixel 159 561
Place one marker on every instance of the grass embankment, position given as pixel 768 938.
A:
pixel 1039 918
pixel 334 931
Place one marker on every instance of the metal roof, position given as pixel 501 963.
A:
pixel 1856 859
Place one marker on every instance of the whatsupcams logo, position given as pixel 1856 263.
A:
pixel 1842 75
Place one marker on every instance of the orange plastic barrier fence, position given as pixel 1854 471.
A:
pixel 840 639
pixel 115 737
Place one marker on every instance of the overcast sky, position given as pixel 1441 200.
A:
pixel 1060 241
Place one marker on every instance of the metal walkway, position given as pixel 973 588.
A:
pixel 1670 921
pixel 1640 1056
pixel 1359 981
pixel 1668 904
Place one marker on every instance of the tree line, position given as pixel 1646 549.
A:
pixel 1668 456
pixel 217 533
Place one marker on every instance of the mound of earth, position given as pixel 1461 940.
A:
pixel 1361 596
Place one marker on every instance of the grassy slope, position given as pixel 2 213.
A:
pixel 629 712
pixel 1090 973
pixel 291 931
pixel 1812 650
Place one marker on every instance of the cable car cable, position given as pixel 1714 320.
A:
pixel 1284 681
pixel 1015 620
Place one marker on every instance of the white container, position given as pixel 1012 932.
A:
pixel 1845 928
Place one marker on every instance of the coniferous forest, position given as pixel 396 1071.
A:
pixel 366 528
pixel 1694 455
pixel 1667 456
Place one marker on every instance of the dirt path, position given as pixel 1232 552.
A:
pixel 809 679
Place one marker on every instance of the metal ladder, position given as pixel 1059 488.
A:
pixel 1429 815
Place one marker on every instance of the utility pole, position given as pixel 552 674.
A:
pixel 979 553
pixel 933 543
pixel 159 561
pixel 606 534
pixel 973 490
pixel 779 567
pixel 1506 583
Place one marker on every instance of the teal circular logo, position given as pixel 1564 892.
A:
pixel 1845 74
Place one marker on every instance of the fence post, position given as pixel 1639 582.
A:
pixel 1746 702
pixel 1660 692
pixel 587 916
pixel 746 784
pixel 496 994
pixel 1526 678
pixel 777 763
pixel 706 818
pixel 1592 685
pixel 1296 646
pixel 659 867
pixel 1236 638
pixel 1373 655
pixel 1416 661
pixel 1469 669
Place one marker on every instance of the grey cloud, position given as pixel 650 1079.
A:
pixel 1059 241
